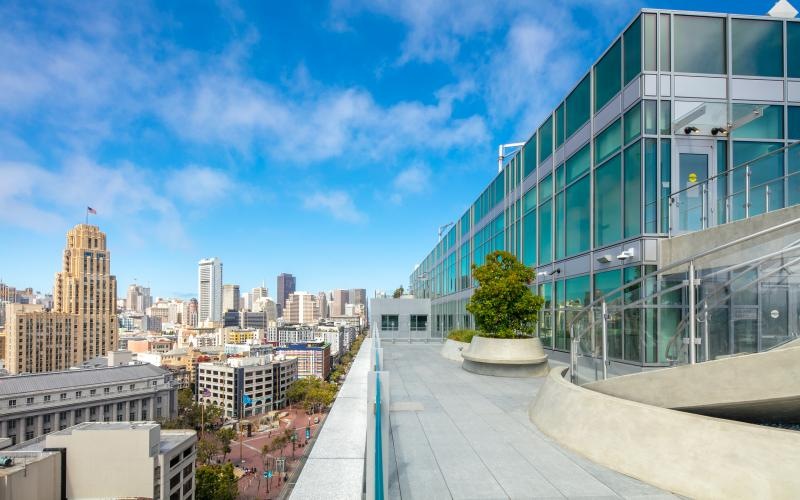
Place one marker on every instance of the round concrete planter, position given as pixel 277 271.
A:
pixel 452 349
pixel 505 357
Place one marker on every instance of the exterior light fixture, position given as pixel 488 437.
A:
pixel 719 130
pixel 605 259
pixel 626 254
pixel 690 130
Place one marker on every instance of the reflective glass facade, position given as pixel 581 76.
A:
pixel 677 98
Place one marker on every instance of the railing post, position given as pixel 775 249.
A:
pixel 704 208
pixel 766 198
pixel 747 191
pixel 669 216
pixel 573 354
pixel 692 319
pixel 605 340
pixel 706 346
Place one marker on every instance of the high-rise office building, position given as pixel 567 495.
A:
pixel 358 297
pixel 86 289
pixel 37 340
pixel 322 300
pixel 301 307
pixel 138 299
pixel 340 300
pixel 257 293
pixel 209 290
pixel 230 298
pixel 286 287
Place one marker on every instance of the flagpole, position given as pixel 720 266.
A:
pixel 87 216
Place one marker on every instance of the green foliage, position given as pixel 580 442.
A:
pixel 462 335
pixel 503 305
pixel 215 482
pixel 398 292
pixel 207 447
pixel 225 436
pixel 312 392
pixel 191 414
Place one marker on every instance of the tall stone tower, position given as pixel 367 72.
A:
pixel 86 289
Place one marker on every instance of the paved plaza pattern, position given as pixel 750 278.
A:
pixel 460 435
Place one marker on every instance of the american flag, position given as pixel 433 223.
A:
pixel 206 392
pixel 90 210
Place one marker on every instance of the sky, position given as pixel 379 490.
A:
pixel 329 140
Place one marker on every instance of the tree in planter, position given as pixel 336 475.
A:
pixel 398 292
pixel 503 305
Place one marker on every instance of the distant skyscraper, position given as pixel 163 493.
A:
pixel 138 299
pixel 340 300
pixel 322 300
pixel 86 288
pixel 209 290
pixel 358 296
pixel 286 287
pixel 258 293
pixel 301 307
pixel 230 298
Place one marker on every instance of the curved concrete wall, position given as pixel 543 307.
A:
pixel 693 455
pixel 761 386
pixel 451 349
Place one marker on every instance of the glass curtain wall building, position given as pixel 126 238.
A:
pixel 677 100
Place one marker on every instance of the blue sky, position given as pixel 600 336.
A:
pixel 325 139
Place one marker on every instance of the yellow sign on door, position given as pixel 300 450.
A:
pixel 693 177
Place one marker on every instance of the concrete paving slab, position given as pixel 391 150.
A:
pixel 473 438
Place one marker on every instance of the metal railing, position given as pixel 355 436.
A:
pixel 730 289
pixel 378 423
pixel 734 194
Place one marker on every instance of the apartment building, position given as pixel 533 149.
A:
pixel 313 358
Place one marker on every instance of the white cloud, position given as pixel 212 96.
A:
pixel 414 179
pixel 197 184
pixel 338 204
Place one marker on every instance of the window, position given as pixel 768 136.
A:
pixel 757 47
pixel 419 322
pixel 607 76
pixel 767 126
pixel 650 186
pixel 793 49
pixel 46 398
pixel 649 42
pixel 546 232
pixel 700 45
pixel 106 390
pixel 93 392
pixel 28 401
pixel 559 126
pixel 664 54
pixel 132 386
pixel 578 164
pixel 608 142
pixel 633 50
pixel 78 413
pixel 389 322
pixel 119 388
pixel 794 122
pixel 578 228
pixel 12 403
pixel 529 236
pixel 77 394
pixel 607 206
pixel 633 123
pixel 577 106
pixel 63 396
pixel 545 136
pixel 633 190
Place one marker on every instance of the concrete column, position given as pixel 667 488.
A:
pixel 70 418
pixel 39 425
pixel 3 428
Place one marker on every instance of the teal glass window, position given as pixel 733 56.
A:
pixel 607 203
pixel 545 188
pixel 559 178
pixel 608 142
pixel 545 232
pixel 793 49
pixel 665 52
pixel 633 123
pixel 606 282
pixel 559 226
pixel 632 212
pixel 650 186
pixel 529 238
pixel 650 118
pixel 666 182
pixel 578 291
pixel 768 126
pixel 793 122
pixel 632 42
pixel 757 47
pixel 545 135
pixel 700 44
pixel 764 170
pixel 579 163
pixel 559 123
pixel 607 76
pixel 632 317
pixel 665 118
pixel 529 157
pixel 578 217
pixel 650 45
pixel 578 106
pixel 529 200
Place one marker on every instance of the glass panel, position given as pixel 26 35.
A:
pixel 529 156
pixel 559 178
pixel 666 182
pixel 703 116
pixel 633 50
pixel 578 106
pixel 607 76
pixel 560 125
pixel 546 316
pixel 762 171
pixel 794 122
pixel 649 42
pixel 578 163
pixel 529 200
pixel 757 47
pixel 608 142
pixel 545 136
pixel 545 233
pixel 794 176
pixel 633 123
pixel 560 337
pixel 607 206
pixel 604 283
pixel 577 293
pixel 649 117
pixel 793 49
pixel 559 221
pixel 545 188
pixel 529 237
pixel 699 45
pixel 692 171
pixel 633 317
pixel 757 121
pixel 578 217
pixel 650 186
pixel 665 48
pixel 722 181
pixel 633 190
pixel 665 118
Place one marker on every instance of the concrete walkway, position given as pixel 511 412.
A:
pixel 460 435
